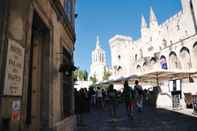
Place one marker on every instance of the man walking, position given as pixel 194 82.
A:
pixel 129 98
pixel 139 95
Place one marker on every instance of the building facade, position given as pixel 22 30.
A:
pixel 170 45
pixel 98 65
pixel 36 59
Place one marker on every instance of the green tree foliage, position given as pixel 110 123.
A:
pixel 93 79
pixel 106 75
pixel 80 75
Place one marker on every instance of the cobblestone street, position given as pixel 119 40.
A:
pixel 149 120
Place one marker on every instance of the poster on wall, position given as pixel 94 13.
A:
pixel 163 63
pixel 14 69
pixel 16 107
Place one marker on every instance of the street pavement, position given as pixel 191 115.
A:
pixel 150 119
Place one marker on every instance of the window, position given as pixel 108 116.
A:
pixel 164 43
pixel 68 7
pixel 151 38
pixel 150 48
pixel 178 27
pixel 135 57
pixel 119 57
pixel 195 45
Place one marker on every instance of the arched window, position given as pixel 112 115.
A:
pixel 185 49
pixel 145 66
pixel 195 45
pixel 163 62
pixel 173 61
pixel 153 60
pixel 139 69
pixel 194 51
pixel 164 43
pixel 119 57
pixel 135 57
pixel 185 58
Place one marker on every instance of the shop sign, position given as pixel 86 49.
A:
pixel 14 69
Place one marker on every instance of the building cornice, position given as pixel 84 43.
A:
pixel 120 37
pixel 63 18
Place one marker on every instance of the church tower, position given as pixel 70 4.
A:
pixel 144 27
pixel 98 64
pixel 98 54
pixel 153 19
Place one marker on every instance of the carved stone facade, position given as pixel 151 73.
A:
pixel 173 41
pixel 36 38
pixel 170 45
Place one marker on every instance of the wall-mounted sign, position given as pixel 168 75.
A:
pixel 16 107
pixel 14 69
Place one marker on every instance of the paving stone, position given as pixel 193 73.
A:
pixel 150 119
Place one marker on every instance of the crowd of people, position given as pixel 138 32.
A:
pixel 109 98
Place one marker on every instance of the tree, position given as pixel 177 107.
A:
pixel 85 74
pixel 81 75
pixel 106 75
pixel 93 79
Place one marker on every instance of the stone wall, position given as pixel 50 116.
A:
pixel 20 29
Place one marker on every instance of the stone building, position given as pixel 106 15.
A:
pixel 36 61
pixel 169 45
pixel 98 65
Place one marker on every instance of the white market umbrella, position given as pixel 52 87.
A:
pixel 162 74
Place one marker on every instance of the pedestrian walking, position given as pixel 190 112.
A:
pixel 139 95
pixel 112 100
pixel 99 96
pixel 92 94
pixel 129 99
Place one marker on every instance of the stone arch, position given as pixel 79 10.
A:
pixel 145 65
pixel 153 60
pixel 194 52
pixel 195 45
pixel 163 62
pixel 174 61
pixel 139 68
pixel 136 57
pixel 185 58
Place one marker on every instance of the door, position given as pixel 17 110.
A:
pixel 36 80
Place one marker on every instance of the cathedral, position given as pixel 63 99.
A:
pixel 170 45
pixel 98 65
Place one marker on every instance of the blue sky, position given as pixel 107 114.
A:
pixel 107 18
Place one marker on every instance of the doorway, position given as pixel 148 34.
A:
pixel 38 90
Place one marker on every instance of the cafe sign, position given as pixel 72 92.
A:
pixel 14 69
